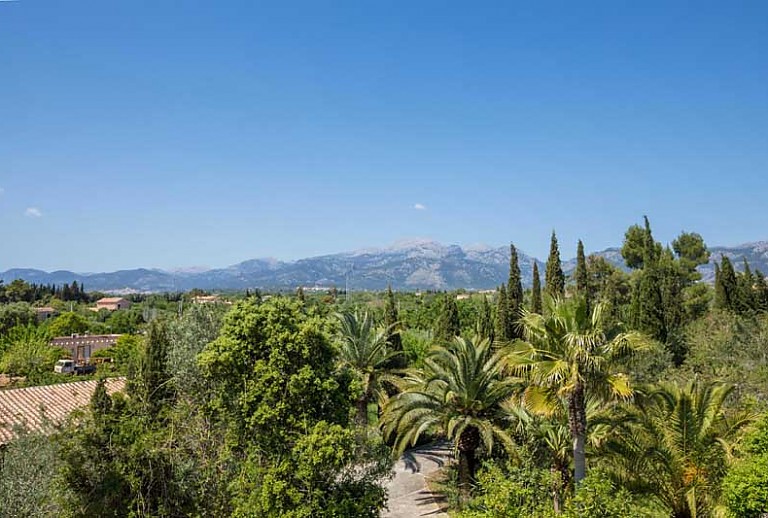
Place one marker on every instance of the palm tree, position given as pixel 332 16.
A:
pixel 459 394
pixel 364 350
pixel 567 356
pixel 675 443
pixel 549 435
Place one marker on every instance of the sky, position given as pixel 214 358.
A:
pixel 170 134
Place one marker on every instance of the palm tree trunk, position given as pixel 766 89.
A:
pixel 467 446
pixel 362 411
pixel 577 422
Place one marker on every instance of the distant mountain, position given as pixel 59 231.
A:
pixel 407 265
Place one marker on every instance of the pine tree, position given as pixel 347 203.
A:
pixel 391 321
pixel 514 294
pixel 448 323
pixel 502 315
pixel 536 305
pixel 300 295
pixel 553 276
pixel 484 325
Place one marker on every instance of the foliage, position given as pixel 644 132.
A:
pixel 329 472
pixel 569 355
pixel 365 351
pixel 502 315
pixel 27 353
pixel 536 303
pixel 459 393
pixel 745 488
pixel 68 324
pixel 729 347
pixel 580 275
pixel 416 345
pixel 514 294
pixel 554 278
pixel 273 370
pixel 448 325
pixel 673 445
pixel 15 314
pixel 28 467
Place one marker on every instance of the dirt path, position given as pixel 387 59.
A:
pixel 408 493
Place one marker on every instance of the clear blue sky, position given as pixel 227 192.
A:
pixel 162 134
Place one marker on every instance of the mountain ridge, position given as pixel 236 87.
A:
pixel 417 264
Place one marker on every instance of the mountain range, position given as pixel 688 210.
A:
pixel 407 265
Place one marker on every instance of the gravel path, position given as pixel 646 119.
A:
pixel 408 493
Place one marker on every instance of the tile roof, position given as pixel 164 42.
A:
pixel 110 300
pixel 27 406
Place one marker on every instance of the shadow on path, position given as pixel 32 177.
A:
pixel 408 493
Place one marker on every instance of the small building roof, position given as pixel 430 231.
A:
pixel 110 300
pixel 32 407
pixel 45 309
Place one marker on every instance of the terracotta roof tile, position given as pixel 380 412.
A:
pixel 30 407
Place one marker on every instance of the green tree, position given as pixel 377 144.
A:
pixel 273 372
pixel 485 326
pixel 673 444
pixel 68 324
pixel 745 294
pixel 745 488
pixel 536 304
pixel 581 275
pixel 633 248
pixel 502 315
pixel 448 325
pixel 15 314
pixel 28 472
pixel 761 295
pixel 153 386
pixel 726 288
pixel 554 279
pixel 514 293
pixel 459 393
pixel 364 350
pixel 392 322
pixel 691 252
pixel 569 355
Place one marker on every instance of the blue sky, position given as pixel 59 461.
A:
pixel 167 134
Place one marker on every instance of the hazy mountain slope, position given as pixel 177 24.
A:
pixel 410 265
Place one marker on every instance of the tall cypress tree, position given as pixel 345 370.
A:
pixel 729 285
pixel 514 294
pixel 448 323
pixel 581 275
pixel 391 321
pixel 746 290
pixel 485 325
pixel 553 276
pixel 647 305
pixel 720 299
pixel 536 305
pixel 502 315
pixel 152 384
